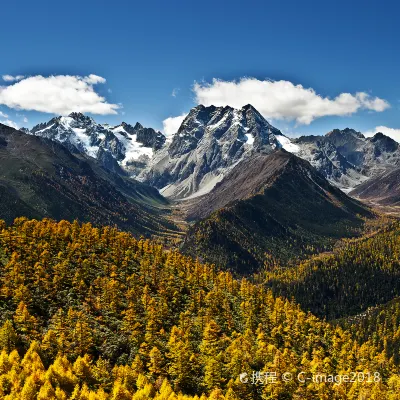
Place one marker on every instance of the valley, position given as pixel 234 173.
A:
pixel 138 266
pixel 199 200
pixel 228 187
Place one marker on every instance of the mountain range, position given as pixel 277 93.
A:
pixel 41 178
pixel 210 142
pixel 347 158
pixel 227 187
pixel 118 148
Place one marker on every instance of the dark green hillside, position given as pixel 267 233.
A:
pixel 273 204
pixel 41 178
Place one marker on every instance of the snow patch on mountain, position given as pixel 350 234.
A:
pixel 45 129
pixel 131 147
pixel 287 144
pixel 250 138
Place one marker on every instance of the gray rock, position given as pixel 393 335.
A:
pixel 118 148
pixel 347 158
pixel 209 143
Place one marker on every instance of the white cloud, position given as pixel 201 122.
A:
pixel 10 78
pixel 175 92
pixel 93 79
pixel 2 115
pixel 8 122
pixel 23 117
pixel 172 124
pixel 391 132
pixel 60 94
pixel 283 99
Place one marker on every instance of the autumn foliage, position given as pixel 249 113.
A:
pixel 93 313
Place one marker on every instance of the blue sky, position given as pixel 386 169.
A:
pixel 148 50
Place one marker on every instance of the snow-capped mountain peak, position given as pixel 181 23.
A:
pixel 210 142
pixel 130 147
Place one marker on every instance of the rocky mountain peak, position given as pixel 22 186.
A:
pixel 379 136
pixel 249 110
pixel 197 118
pixel 250 107
pixel 25 130
pixel 81 118
pixel 124 128
pixel 344 133
pixel 137 126
pixel 384 143
pixel 210 141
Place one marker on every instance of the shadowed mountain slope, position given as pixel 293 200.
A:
pixel 383 189
pixel 42 178
pixel 275 204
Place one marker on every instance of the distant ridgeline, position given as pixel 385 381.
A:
pixel 93 313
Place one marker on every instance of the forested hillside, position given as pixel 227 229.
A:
pixel 380 324
pixel 361 273
pixel 93 313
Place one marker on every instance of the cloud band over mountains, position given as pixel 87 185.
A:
pixel 283 99
pixel 63 94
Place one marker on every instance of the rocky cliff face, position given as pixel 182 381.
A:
pixel 209 143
